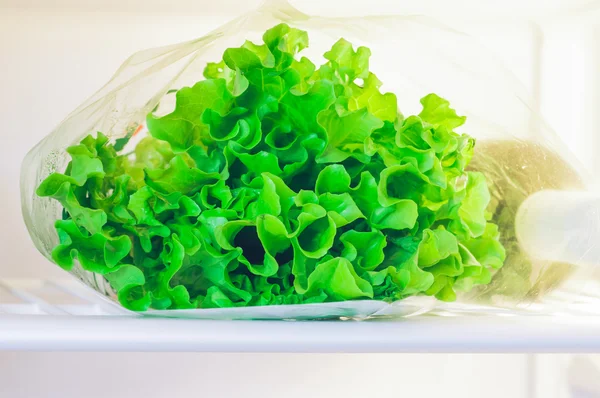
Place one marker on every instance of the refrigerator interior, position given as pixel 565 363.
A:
pixel 55 56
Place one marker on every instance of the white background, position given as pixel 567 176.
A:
pixel 54 54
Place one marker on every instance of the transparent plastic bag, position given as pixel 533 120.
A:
pixel 413 56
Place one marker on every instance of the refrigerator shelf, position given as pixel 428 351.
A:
pixel 37 315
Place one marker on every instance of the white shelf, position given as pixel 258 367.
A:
pixel 424 334
pixel 66 316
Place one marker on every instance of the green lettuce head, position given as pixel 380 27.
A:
pixel 277 182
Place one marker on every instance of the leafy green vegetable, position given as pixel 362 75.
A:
pixel 274 181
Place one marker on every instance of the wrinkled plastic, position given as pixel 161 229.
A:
pixel 413 56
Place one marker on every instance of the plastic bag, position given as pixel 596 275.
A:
pixel 413 56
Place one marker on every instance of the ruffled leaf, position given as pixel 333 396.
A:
pixel 338 279
pixel 365 249
pixel 97 252
pixel 437 112
pixel 179 177
pixel 183 127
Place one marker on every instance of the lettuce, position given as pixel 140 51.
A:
pixel 274 181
